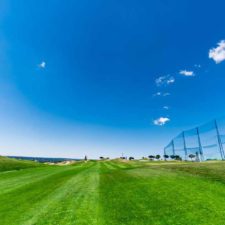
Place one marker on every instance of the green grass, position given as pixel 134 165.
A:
pixel 114 193
pixel 8 164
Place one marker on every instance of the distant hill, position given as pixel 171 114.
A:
pixel 7 164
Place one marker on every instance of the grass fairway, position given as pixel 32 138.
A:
pixel 114 193
pixel 7 164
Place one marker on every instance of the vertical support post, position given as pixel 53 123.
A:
pixel 219 141
pixel 185 147
pixel 197 159
pixel 200 145
pixel 173 147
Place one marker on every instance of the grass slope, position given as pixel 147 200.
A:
pixel 114 193
pixel 7 164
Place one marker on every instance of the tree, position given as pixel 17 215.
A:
pixel 166 157
pixel 158 157
pixel 151 157
pixel 177 157
pixel 192 156
pixel 85 158
pixel 101 157
pixel 131 158
pixel 172 156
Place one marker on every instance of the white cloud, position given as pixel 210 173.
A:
pixel 164 80
pixel 197 65
pixel 42 65
pixel 157 94
pixel 187 73
pixel 161 94
pixel 166 107
pixel 218 53
pixel 170 80
pixel 161 121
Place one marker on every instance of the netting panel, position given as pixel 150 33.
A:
pixel 204 142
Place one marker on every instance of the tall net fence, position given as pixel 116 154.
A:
pixel 206 142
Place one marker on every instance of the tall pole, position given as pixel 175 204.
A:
pixel 219 141
pixel 173 147
pixel 200 144
pixel 185 147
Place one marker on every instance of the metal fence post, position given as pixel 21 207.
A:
pixel 219 141
pixel 173 147
pixel 164 153
pixel 200 144
pixel 185 147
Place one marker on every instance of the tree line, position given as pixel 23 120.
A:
pixel 157 157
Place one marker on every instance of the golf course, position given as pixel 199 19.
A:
pixel 112 192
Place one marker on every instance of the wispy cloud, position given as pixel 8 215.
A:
pixel 42 65
pixel 157 94
pixel 163 94
pixel 218 53
pixel 166 107
pixel 161 121
pixel 164 80
pixel 187 73
pixel 197 66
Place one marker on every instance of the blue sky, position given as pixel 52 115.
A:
pixel 105 77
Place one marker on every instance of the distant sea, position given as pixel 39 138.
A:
pixel 43 159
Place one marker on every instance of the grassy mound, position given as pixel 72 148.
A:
pixel 7 164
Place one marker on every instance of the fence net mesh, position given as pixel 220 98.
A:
pixel 206 142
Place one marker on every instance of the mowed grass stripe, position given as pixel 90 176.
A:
pixel 150 196
pixel 16 204
pixel 73 203
pixel 115 193
pixel 183 199
pixel 115 165
pixel 109 166
pixel 214 171
pixel 16 179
